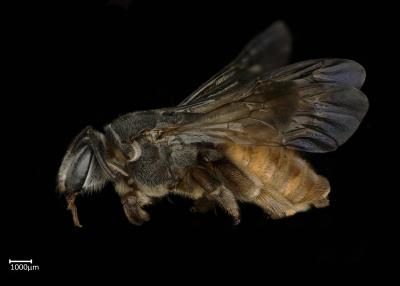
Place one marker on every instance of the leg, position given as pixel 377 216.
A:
pixel 251 190
pixel 217 192
pixel 133 201
pixel 275 204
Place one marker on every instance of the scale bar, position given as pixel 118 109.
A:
pixel 19 261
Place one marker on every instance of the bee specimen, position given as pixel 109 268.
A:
pixel 237 138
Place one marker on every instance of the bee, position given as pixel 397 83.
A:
pixel 237 138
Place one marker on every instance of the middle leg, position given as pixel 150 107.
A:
pixel 216 191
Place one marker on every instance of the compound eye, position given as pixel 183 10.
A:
pixel 78 169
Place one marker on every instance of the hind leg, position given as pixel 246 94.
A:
pixel 274 204
pixel 251 190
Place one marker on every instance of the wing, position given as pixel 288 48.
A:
pixel 313 106
pixel 266 52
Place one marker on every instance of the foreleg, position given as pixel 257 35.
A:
pixel 133 201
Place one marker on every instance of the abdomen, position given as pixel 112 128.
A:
pixel 283 182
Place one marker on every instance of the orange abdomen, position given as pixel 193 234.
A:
pixel 286 178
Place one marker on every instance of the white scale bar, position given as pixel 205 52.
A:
pixel 19 261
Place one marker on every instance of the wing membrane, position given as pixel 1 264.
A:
pixel 268 51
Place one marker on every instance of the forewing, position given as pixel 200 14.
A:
pixel 268 51
pixel 313 106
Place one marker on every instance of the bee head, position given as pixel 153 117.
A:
pixel 86 167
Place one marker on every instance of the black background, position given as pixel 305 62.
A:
pixel 75 65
